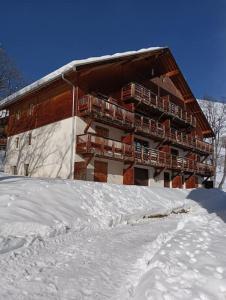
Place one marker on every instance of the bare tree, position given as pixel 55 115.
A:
pixel 215 113
pixel 224 163
pixel 10 77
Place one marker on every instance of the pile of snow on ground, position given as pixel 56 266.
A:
pixel 83 240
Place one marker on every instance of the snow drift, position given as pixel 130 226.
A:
pixel 86 240
pixel 34 208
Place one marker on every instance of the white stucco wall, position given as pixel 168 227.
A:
pixel 49 154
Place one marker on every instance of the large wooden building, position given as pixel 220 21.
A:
pixel 129 118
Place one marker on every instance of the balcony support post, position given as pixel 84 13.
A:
pixel 158 171
pixel 205 157
pixel 90 121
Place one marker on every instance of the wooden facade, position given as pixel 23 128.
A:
pixel 146 98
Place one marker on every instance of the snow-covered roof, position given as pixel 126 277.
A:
pixel 69 67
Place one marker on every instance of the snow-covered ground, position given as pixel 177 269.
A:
pixel 82 240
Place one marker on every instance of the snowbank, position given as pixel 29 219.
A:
pixel 110 248
pixel 34 208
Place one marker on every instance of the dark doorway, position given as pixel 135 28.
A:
pixel 166 179
pixel 141 176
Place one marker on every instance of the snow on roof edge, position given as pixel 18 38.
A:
pixel 70 66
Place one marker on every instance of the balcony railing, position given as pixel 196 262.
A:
pixel 103 147
pixel 154 129
pixel 146 96
pixel 188 141
pixel 90 143
pixel 162 159
pixel 111 113
pixel 104 110
pixel 149 127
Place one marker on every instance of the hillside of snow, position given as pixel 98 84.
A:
pixel 62 239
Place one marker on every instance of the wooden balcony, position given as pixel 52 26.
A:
pixel 3 143
pixel 155 130
pixel 105 111
pixel 103 147
pixel 88 144
pixel 160 159
pixel 135 91
pixel 188 141
pixel 149 127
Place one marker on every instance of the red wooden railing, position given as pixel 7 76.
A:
pixel 188 141
pixel 149 126
pixel 158 158
pixel 146 96
pixel 90 143
pixel 105 110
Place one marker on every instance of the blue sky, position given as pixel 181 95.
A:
pixel 41 35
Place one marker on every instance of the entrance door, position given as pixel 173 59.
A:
pixel 141 176
pixel 177 182
pixel 100 171
pixel 191 182
pixel 166 179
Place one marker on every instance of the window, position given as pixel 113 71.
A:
pixel 29 138
pixel 14 170
pixel 174 152
pixel 31 109
pixel 26 169
pixel 17 142
pixel 18 115
pixel 166 179
pixel 139 144
pixel 101 131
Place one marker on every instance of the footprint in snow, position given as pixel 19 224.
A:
pixel 220 270
pixel 218 275
pixel 193 260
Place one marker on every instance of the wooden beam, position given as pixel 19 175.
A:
pixel 176 174
pixel 90 121
pixel 206 131
pixel 158 171
pixel 189 101
pixel 172 73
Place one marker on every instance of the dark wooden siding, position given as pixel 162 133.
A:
pixel 40 110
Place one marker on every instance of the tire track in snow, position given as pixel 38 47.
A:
pixel 43 267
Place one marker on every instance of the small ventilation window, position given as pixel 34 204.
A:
pixel 17 142
pixel 18 115
pixel 31 109
pixel 14 170
pixel 26 169
pixel 29 138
